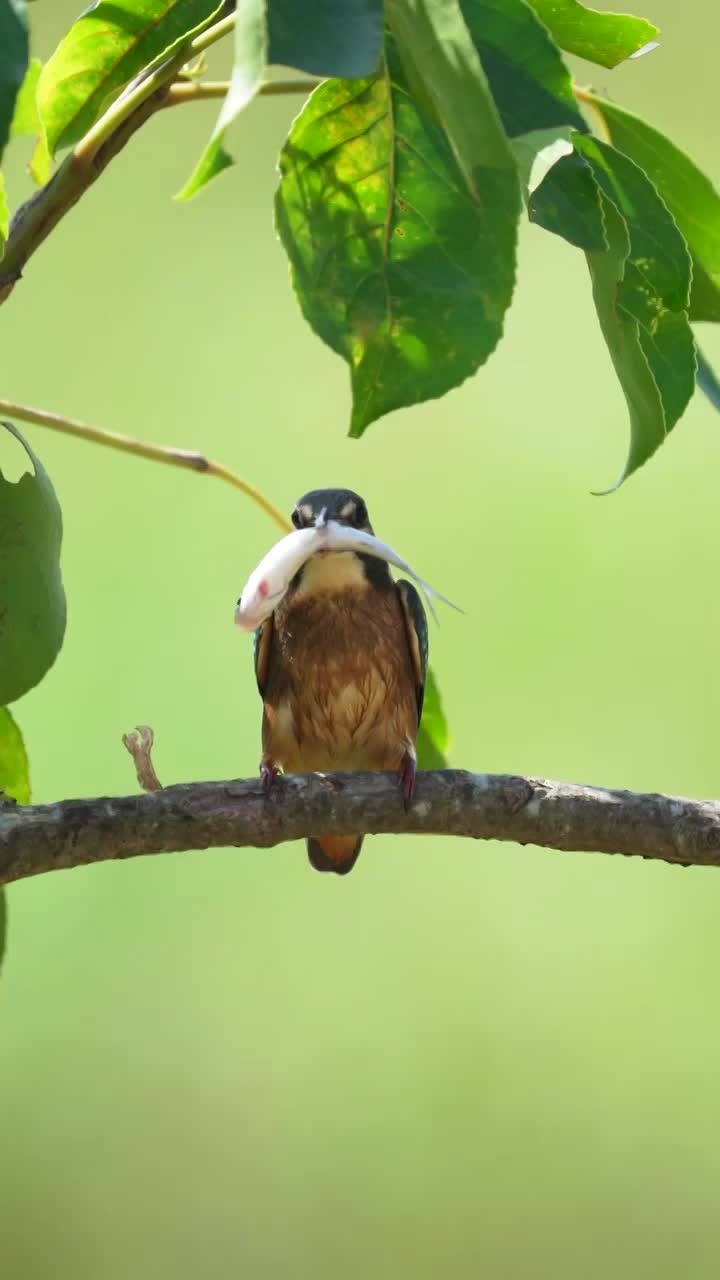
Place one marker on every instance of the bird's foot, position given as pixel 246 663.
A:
pixel 408 777
pixel 268 774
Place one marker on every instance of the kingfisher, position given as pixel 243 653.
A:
pixel 341 666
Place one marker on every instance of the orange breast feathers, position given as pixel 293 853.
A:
pixel 340 690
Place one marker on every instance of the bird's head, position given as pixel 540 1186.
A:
pixel 337 570
pixel 341 505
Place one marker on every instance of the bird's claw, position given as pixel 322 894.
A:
pixel 408 778
pixel 268 774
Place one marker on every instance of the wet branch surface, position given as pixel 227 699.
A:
pixel 203 815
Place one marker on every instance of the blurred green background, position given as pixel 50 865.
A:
pixel 466 1059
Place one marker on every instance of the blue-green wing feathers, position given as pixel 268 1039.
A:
pixel 261 653
pixel 417 634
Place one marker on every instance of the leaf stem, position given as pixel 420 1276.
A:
pixel 271 88
pixel 186 458
pixel 39 215
pixel 121 110
pixel 589 99
pixel 199 91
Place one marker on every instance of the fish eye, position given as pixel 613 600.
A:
pixel 361 514
pixel 295 517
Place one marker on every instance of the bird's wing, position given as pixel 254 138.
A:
pixel 261 651
pixel 417 635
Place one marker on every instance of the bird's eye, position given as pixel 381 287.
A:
pixel 361 515
pixel 295 517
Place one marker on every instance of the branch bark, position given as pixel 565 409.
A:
pixel 34 220
pixel 202 815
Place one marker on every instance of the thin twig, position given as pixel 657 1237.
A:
pixel 140 744
pixel 35 219
pixel 186 458
pixel 204 815
pixel 161 76
pixel 201 90
pixel 274 88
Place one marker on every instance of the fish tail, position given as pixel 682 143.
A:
pixel 430 591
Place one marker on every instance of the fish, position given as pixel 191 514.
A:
pixel 269 581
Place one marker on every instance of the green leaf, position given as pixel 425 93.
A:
pixel 659 253
pixel 436 48
pixel 653 291
pixel 25 116
pixel 403 256
pixel 704 294
pixel 605 38
pixel 641 284
pixel 688 194
pixel 536 152
pixel 102 52
pixel 326 37
pixel 14 767
pixel 529 80
pixel 247 74
pixel 4 216
pixel 567 202
pixel 707 380
pixel 27 122
pixel 32 617
pixel 14 782
pixel 655 287
pixel 433 740
pixel 14 52
pixel 213 161
pixel 653 411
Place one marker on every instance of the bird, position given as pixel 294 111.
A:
pixel 341 666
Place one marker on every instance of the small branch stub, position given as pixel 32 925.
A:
pixel 140 744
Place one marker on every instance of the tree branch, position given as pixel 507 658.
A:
pixel 202 90
pixel 189 459
pixel 35 219
pixel 202 815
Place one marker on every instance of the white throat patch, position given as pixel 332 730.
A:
pixel 335 571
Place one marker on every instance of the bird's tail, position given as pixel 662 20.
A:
pixel 334 853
